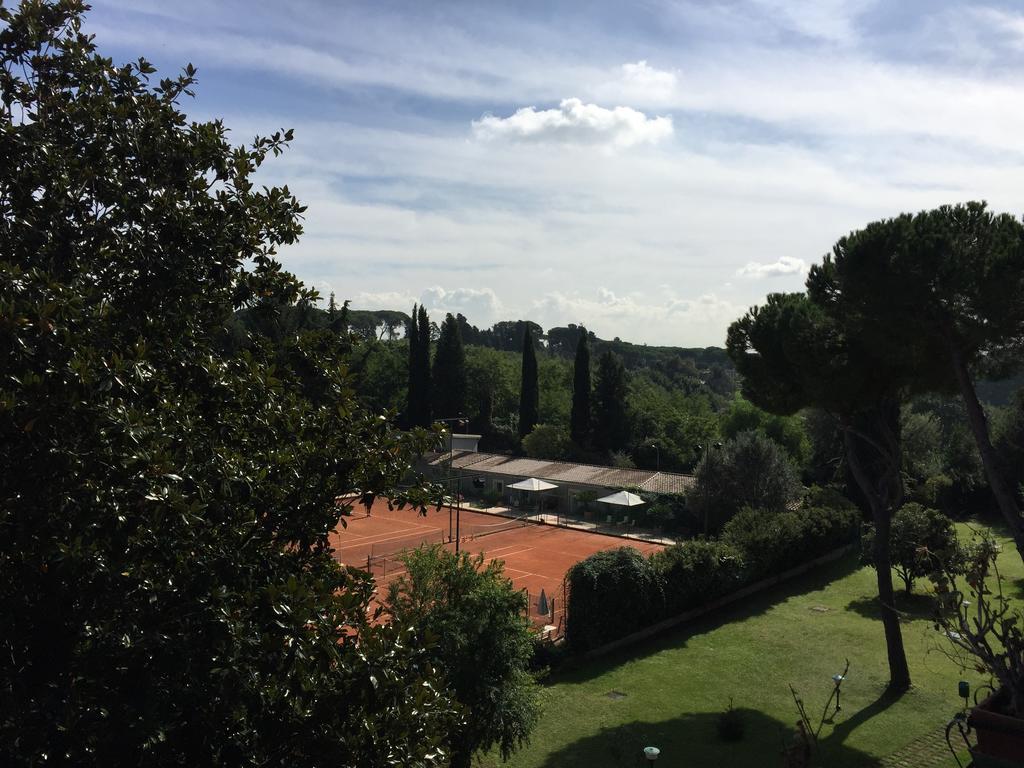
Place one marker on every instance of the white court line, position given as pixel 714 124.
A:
pixel 404 534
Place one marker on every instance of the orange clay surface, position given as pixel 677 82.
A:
pixel 536 556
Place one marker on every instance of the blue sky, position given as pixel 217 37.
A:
pixel 650 169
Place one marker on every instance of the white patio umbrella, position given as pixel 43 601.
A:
pixel 533 485
pixel 623 499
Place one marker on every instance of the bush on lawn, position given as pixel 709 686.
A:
pixel 916 529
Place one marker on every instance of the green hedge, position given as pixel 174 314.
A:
pixel 773 542
pixel 617 592
pixel 697 572
pixel 612 594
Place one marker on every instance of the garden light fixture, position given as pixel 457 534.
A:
pixel 651 753
pixel 838 680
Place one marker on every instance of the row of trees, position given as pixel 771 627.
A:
pixel 909 305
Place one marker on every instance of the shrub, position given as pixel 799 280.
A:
pixel 473 618
pixel 916 530
pixel 772 542
pixel 829 496
pixel 546 441
pixel 938 492
pixel 750 470
pixel 730 725
pixel 612 594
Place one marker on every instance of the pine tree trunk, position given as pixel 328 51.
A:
pixel 881 513
pixel 979 427
pixel 899 672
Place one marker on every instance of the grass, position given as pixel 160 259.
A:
pixel 799 633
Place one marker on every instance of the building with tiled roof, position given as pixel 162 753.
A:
pixel 479 473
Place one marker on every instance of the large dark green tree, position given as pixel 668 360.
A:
pixel 168 592
pixel 483 644
pixel 414 394
pixel 750 470
pixel 418 401
pixel 946 282
pixel 580 417
pixel 792 354
pixel 529 389
pixel 1010 441
pixel 449 376
pixel 611 417
pixel 426 388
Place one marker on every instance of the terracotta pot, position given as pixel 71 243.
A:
pixel 1000 737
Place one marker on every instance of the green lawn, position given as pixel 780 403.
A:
pixel 675 686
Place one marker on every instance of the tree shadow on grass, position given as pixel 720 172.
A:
pixel 910 607
pixel 577 670
pixel 693 740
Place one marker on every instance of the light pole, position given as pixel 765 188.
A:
pixel 456 421
pixel 707 469
pixel 657 456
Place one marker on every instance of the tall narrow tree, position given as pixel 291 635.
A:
pixel 449 377
pixel 611 420
pixel 413 396
pixel 423 368
pixel 579 419
pixel 529 390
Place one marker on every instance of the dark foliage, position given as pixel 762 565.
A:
pixel 449 375
pixel 167 589
pixel 773 542
pixel 617 592
pixel 611 594
pixel 482 642
pixel 696 572
pixel 529 388
pixel 917 530
pixel 579 419
pixel 611 418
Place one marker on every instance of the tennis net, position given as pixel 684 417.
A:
pixel 478 530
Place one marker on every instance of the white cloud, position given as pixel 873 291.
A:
pixel 640 82
pixel 481 306
pixel 641 316
pixel 397 300
pixel 576 123
pixel 785 266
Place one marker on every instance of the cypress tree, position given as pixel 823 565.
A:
pixel 449 379
pixel 413 397
pixel 423 367
pixel 529 390
pixel 611 421
pixel 579 420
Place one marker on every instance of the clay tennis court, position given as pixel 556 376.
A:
pixel 536 556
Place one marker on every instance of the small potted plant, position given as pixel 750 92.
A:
pixel 986 633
